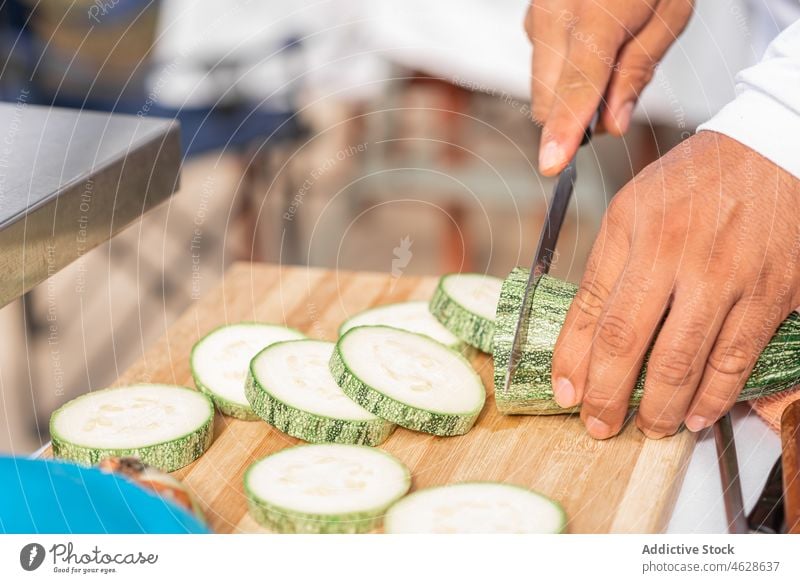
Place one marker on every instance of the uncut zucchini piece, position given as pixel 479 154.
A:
pixel 408 379
pixel 165 426
pixel 291 387
pixel 324 488
pixel 465 304
pixel 477 508
pixel 220 360
pixel 531 392
pixel 411 316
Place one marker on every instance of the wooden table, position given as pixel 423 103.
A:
pixel 626 484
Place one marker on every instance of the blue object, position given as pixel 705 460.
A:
pixel 55 497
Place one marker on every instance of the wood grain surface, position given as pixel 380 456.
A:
pixel 626 484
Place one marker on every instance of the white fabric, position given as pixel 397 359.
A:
pixel 765 116
pixel 700 507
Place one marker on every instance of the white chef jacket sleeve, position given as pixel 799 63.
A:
pixel 765 115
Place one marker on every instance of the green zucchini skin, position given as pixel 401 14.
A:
pixel 310 426
pixel 377 403
pixel 473 329
pixel 283 520
pixel 531 392
pixel 289 522
pixel 167 456
pixel 226 406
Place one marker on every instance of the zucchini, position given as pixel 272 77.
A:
pixel 219 362
pixel 465 304
pixel 411 316
pixel 531 392
pixel 475 507
pixel 324 488
pixel 290 387
pixel 408 379
pixel 165 426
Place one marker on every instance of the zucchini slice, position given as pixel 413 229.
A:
pixel 531 392
pixel 291 387
pixel 324 488
pixel 219 362
pixel 410 316
pixel 475 507
pixel 408 379
pixel 165 426
pixel 465 304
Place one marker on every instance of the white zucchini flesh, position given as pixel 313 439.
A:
pixel 465 303
pixel 220 361
pixel 476 293
pixel 408 379
pixel 475 507
pixel 325 488
pixel 166 426
pixel 291 387
pixel 411 316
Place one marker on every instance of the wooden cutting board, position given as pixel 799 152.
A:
pixel 626 484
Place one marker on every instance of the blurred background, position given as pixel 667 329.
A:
pixel 336 133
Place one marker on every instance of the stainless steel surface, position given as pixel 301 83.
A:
pixel 554 219
pixel 70 180
pixel 729 474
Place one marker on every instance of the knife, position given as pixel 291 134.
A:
pixel 729 474
pixel 543 258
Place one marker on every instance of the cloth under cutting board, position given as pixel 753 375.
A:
pixel 771 408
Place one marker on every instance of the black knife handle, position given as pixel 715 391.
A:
pixel 589 131
pixel 767 515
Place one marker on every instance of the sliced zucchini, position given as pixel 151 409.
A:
pixel 219 362
pixel 475 507
pixel 465 304
pixel 165 426
pixel 408 379
pixel 410 316
pixel 291 387
pixel 531 392
pixel 324 488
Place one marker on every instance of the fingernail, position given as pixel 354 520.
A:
pixel 652 434
pixel 623 117
pixel 697 423
pixel 551 156
pixel 597 428
pixel 564 393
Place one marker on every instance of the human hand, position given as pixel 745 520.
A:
pixel 710 231
pixel 585 51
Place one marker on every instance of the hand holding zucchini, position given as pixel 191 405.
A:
pixel 531 392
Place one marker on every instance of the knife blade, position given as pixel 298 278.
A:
pixel 729 475
pixel 542 260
